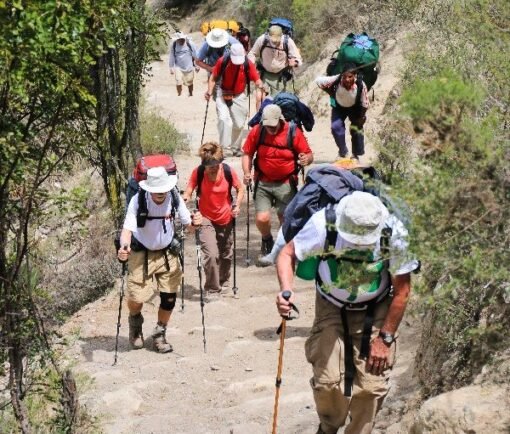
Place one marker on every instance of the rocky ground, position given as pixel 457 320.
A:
pixel 230 387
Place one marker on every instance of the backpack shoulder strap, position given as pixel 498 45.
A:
pixel 265 43
pixel 175 202
pixel 359 90
pixel 286 45
pixel 142 212
pixel 290 136
pixel 173 48
pixel 331 232
pixel 228 176
pixel 262 136
pixel 224 64
pixel 247 73
pixel 200 178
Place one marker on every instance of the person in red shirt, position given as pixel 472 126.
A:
pixel 280 149
pixel 218 210
pixel 233 73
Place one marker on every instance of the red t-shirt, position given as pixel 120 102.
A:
pixel 214 203
pixel 276 161
pixel 231 70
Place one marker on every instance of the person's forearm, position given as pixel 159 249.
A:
pixel 401 291
pixel 285 264
pixel 211 83
pixel 240 196
pixel 125 237
pixel 203 65
pixel 246 164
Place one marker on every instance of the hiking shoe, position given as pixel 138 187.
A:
pixel 159 343
pixel 135 331
pixel 265 261
pixel 267 245
pixel 211 296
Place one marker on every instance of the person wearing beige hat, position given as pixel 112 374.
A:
pixel 148 243
pixel 231 77
pixel 181 62
pixel 280 149
pixel 275 54
pixel 359 254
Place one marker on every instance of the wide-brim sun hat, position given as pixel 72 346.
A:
pixel 217 38
pixel 158 181
pixel 360 218
pixel 178 35
pixel 237 54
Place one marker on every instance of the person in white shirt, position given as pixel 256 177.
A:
pixel 149 245
pixel 349 99
pixel 357 253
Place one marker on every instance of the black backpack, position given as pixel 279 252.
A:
pixel 228 176
pixel 294 110
pixel 325 184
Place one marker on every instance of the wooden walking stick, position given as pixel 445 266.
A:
pixel 281 331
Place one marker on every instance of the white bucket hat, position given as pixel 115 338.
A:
pixel 158 181
pixel 237 54
pixel 360 218
pixel 178 35
pixel 217 38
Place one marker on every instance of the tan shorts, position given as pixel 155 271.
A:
pixel 273 194
pixel 184 77
pixel 158 278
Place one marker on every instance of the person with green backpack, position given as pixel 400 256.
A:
pixel 357 253
pixel 349 99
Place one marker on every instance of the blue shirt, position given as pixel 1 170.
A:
pixel 211 55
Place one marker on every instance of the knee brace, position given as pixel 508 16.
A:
pixel 167 301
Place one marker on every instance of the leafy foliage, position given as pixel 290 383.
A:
pixel 454 100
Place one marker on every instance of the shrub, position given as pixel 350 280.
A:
pixel 159 135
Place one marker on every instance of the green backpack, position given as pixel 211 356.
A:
pixel 360 49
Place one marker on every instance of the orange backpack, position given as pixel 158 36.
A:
pixel 231 25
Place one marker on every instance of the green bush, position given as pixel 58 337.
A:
pixel 159 135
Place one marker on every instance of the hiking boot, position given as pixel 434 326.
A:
pixel 267 245
pixel 159 343
pixel 265 261
pixel 135 331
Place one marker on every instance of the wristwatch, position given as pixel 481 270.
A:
pixel 387 338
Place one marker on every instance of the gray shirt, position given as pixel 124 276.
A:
pixel 181 56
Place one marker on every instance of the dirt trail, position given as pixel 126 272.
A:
pixel 229 389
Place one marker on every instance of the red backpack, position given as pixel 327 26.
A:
pixel 150 161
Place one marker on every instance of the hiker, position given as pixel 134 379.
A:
pixel 234 73
pixel 357 252
pixel 181 61
pixel 217 43
pixel 152 254
pixel 276 55
pixel 349 99
pixel 281 149
pixel 213 181
pixel 292 109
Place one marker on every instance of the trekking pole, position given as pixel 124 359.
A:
pixel 235 288
pixel 248 225
pixel 182 266
pixel 205 121
pixel 199 268
pixel 121 298
pixel 281 331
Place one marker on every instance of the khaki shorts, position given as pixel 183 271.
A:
pixel 324 348
pixel 184 77
pixel 273 194
pixel 158 279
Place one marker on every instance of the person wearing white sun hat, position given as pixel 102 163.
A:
pixel 358 253
pixel 217 43
pixel 148 243
pixel 181 61
pixel 233 73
